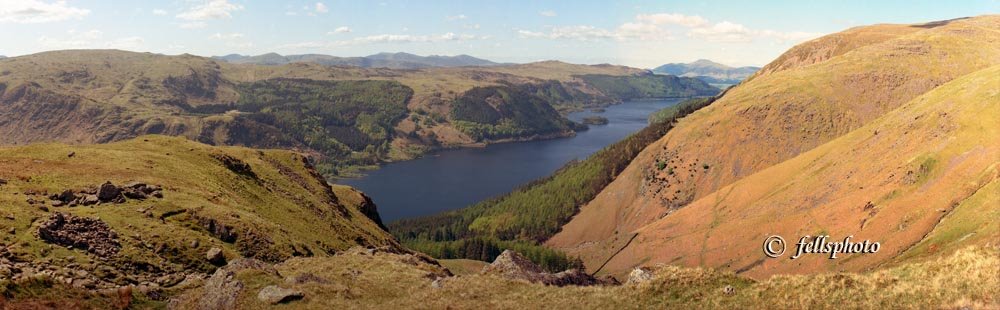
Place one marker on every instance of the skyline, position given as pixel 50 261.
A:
pixel 640 34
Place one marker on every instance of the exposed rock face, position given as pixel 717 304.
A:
pixel 222 289
pixel 639 275
pixel 274 295
pixel 370 211
pixel 236 165
pixel 88 234
pixel 512 265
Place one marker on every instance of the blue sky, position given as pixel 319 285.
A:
pixel 635 33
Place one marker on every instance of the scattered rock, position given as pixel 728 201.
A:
pixel 222 289
pixel 639 275
pixel 729 290
pixel 71 154
pixel 437 283
pixel 83 233
pixel 109 192
pixel 3 182
pixel 12 230
pixel 194 244
pixel 215 256
pixel 512 265
pixel 90 200
pixel 274 295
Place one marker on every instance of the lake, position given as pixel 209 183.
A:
pixel 456 178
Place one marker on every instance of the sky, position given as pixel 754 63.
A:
pixel 642 34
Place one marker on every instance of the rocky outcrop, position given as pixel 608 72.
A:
pixel 90 234
pixel 236 165
pixel 274 294
pixel 370 211
pixel 106 193
pixel 512 265
pixel 222 289
pixel 640 275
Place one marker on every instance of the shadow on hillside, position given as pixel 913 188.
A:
pixel 938 23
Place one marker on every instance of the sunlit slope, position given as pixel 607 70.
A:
pixel 891 181
pixel 267 204
pixel 775 117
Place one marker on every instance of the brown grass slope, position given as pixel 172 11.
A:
pixel 354 280
pixel 933 160
pixel 773 118
pixel 280 210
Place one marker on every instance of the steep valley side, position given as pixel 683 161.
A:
pixel 772 118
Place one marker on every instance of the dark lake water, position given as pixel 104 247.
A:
pixel 452 179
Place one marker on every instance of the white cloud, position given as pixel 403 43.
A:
pixel 724 32
pixel 457 17
pixel 159 12
pixel 209 10
pixel 732 32
pixel 89 39
pixel 34 11
pixel 582 33
pixel 548 13
pixel 675 19
pixel 660 26
pixel 342 29
pixel 233 40
pixel 227 36
pixel 385 39
pixel 321 8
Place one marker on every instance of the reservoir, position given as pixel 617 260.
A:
pixel 456 178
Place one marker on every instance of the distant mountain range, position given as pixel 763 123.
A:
pixel 708 71
pixel 380 60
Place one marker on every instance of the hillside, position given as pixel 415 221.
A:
pixel 380 60
pixel 879 139
pixel 347 117
pixel 147 211
pixel 708 71
pixel 380 279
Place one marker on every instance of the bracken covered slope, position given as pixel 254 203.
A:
pixel 819 122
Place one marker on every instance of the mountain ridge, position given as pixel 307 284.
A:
pixel 708 71
pixel 399 60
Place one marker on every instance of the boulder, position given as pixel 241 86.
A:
pixel 274 295
pixel 215 256
pixel 640 275
pixel 222 289
pixel 90 200
pixel 512 265
pixel 109 192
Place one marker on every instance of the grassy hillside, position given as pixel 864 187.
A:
pixel 346 117
pixel 266 204
pixel 649 86
pixel 712 199
pixel 535 211
pixel 966 279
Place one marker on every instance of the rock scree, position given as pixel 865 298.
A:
pixel 90 234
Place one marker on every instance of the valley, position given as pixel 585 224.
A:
pixel 301 180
